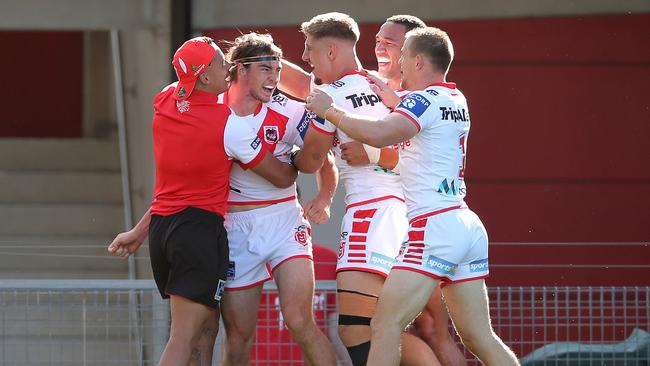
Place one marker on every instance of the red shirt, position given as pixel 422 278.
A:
pixel 195 142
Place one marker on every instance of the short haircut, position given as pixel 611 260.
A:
pixel 434 44
pixel 335 25
pixel 250 45
pixel 409 22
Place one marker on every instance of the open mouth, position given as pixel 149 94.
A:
pixel 383 61
pixel 269 88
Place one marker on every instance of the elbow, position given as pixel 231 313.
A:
pixel 286 180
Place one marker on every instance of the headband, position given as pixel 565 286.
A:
pixel 249 60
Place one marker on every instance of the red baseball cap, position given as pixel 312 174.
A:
pixel 190 60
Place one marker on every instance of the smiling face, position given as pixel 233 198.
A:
pixel 261 78
pixel 217 73
pixel 388 48
pixel 316 53
pixel 407 64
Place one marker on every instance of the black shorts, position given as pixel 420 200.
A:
pixel 189 255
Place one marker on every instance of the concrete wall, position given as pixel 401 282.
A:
pixel 217 14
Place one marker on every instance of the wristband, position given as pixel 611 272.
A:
pixel 373 153
pixel 292 158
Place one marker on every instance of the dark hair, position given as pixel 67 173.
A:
pixel 336 25
pixel 409 22
pixel 251 45
pixel 434 44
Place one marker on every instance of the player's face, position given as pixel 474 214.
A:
pixel 217 72
pixel 316 54
pixel 407 64
pixel 388 49
pixel 261 79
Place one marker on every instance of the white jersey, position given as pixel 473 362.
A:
pixel 433 166
pixel 280 123
pixel 365 183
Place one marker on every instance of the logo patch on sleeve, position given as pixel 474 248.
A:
pixel 415 103
pixel 256 143
pixel 304 124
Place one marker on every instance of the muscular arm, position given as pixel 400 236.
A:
pixel 314 151
pixel 280 174
pixel 390 130
pixel 294 80
pixel 327 177
pixel 357 154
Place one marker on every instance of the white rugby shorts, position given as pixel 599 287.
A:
pixel 450 245
pixel 371 236
pixel 262 239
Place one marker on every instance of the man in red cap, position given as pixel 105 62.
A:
pixel 196 141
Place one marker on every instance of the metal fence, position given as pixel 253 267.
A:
pixel 101 322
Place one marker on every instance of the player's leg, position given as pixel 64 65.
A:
pixel 187 320
pixel 469 309
pixel 295 280
pixel 357 294
pixel 202 353
pixel 415 352
pixel 239 311
pixel 403 296
pixel 432 325
pixel 193 243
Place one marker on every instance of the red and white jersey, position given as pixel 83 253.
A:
pixel 280 124
pixel 362 183
pixel 195 141
pixel 433 166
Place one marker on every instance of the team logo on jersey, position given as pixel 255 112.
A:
pixel 360 100
pixel 256 143
pixel 183 105
pixel 302 235
pixel 480 265
pixel 459 114
pixel 441 265
pixel 280 99
pixel 415 103
pixel 271 134
pixel 381 260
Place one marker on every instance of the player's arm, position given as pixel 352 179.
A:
pixel 358 154
pixel 281 175
pixel 314 151
pixel 327 177
pixel 127 243
pixel 294 80
pixel 392 129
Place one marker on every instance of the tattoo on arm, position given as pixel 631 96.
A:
pixel 316 156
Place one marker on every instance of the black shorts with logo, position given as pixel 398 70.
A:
pixel 189 255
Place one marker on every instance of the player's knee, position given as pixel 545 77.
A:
pixel 359 353
pixel 299 323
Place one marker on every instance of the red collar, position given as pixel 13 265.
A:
pixel 446 85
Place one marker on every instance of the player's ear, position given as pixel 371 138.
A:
pixel 332 51
pixel 419 61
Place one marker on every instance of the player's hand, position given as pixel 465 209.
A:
pixel 388 97
pixel 125 244
pixel 354 154
pixel 319 102
pixel 318 211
